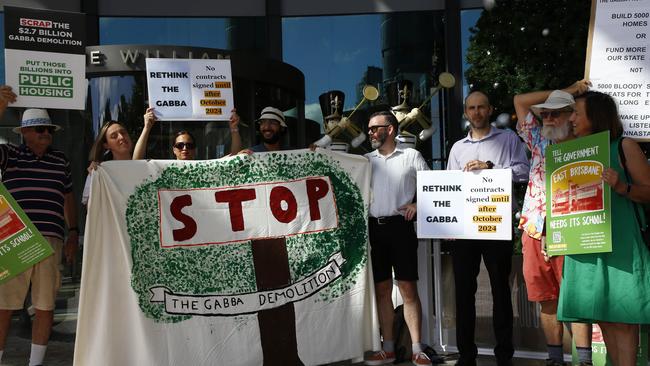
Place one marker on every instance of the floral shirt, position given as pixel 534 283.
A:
pixel 533 211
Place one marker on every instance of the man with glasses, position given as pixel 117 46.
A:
pixel 38 177
pixel 393 242
pixel 542 274
pixel 485 147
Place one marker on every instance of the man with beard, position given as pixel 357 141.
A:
pixel 393 242
pixel 485 147
pixel 542 274
pixel 272 128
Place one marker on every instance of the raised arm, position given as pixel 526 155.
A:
pixel 141 146
pixel 6 96
pixel 235 137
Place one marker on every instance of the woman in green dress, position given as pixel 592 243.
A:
pixel 612 289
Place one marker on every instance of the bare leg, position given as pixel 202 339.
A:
pixel 581 334
pixel 412 308
pixel 383 292
pixel 553 330
pixel 622 342
pixel 42 327
pixel 5 321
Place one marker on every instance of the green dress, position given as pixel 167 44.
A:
pixel 611 287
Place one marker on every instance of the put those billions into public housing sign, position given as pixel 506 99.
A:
pixel 45 58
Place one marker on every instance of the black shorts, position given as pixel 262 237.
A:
pixel 393 245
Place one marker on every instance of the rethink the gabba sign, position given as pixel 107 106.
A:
pixel 251 260
pixel 578 216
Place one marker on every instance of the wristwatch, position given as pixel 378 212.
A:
pixel 489 164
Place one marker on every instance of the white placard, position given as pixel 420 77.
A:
pixel 190 89
pixel 453 204
pixel 47 79
pixel 618 60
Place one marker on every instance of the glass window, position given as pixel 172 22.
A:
pixel 347 52
pixel 196 32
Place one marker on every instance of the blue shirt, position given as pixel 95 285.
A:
pixel 502 147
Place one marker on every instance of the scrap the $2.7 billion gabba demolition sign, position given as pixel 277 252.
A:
pixel 45 62
pixel 578 215
pixel 250 260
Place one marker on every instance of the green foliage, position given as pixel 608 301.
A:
pixel 524 45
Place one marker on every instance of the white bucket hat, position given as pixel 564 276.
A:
pixel 34 117
pixel 273 114
pixel 558 99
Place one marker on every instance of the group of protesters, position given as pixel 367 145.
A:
pixel 611 289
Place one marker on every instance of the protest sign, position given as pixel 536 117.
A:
pixel 468 205
pixel 45 61
pixel 21 245
pixel 618 60
pixel 578 216
pixel 190 89
pixel 248 260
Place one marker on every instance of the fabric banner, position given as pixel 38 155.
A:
pixel 249 260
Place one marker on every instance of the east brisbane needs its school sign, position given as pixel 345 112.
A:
pixel 251 260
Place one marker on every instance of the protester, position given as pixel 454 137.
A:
pixel 112 143
pixel 38 177
pixel 184 146
pixel 485 147
pixel 543 275
pixel 393 242
pixel 272 126
pixel 612 289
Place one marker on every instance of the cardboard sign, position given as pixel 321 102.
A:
pixel 618 60
pixel 45 62
pixel 578 218
pixel 21 245
pixel 190 89
pixel 453 204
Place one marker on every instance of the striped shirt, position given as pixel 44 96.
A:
pixel 38 185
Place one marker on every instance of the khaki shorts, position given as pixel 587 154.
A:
pixel 44 277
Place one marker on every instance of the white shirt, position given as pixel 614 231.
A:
pixel 393 182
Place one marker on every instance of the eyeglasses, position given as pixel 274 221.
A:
pixel 183 145
pixel 373 129
pixel 552 114
pixel 42 129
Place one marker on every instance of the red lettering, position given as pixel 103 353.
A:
pixel 281 194
pixel 176 207
pixel 235 197
pixel 316 189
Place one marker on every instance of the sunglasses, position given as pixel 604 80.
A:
pixel 373 129
pixel 42 129
pixel 183 145
pixel 552 114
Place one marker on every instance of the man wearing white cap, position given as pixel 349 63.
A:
pixel 38 177
pixel 272 127
pixel 542 274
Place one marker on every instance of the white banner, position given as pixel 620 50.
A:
pixel 618 60
pixel 190 89
pixel 308 293
pixel 453 204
